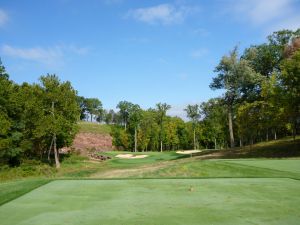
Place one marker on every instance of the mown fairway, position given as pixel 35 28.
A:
pixel 210 200
pixel 161 201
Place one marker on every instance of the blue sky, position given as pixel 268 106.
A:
pixel 140 51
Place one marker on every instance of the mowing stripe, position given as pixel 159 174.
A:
pixel 258 167
pixel 173 178
pixel 25 192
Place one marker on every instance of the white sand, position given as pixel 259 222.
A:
pixel 188 152
pixel 131 156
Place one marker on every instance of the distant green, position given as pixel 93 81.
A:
pixel 152 157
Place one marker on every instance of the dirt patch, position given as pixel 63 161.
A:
pixel 131 156
pixel 98 142
pixel 88 143
pixel 188 152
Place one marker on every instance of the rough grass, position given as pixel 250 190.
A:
pixel 88 127
pixel 159 201
pixel 28 169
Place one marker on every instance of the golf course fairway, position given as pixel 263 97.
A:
pixel 158 201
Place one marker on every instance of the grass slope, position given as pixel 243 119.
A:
pixel 288 165
pixel 187 201
pixel 281 148
pixel 88 127
pixel 228 168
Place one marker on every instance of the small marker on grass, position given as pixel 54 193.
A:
pixel 191 189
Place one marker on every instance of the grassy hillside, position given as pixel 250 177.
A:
pixel 88 127
pixel 282 148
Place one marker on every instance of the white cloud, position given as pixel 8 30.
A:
pixel 273 13
pixel 51 56
pixel 199 53
pixel 77 50
pixel 44 55
pixel 3 18
pixel 165 14
pixel 292 23
pixel 262 11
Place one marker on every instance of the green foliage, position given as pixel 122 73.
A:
pixel 121 138
pixel 173 132
pixel 28 168
pixel 82 105
pixel 134 115
pixel 290 78
pixel 28 121
pixel 261 88
pixel 193 112
pixel 66 113
pixel 94 107
pixel 252 118
pixel 124 107
pixel 214 123
pixel 235 76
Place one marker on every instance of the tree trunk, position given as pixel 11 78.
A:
pixel 57 164
pixel 135 140
pixel 230 127
pixel 91 117
pixel 294 130
pixel 267 135
pixel 194 139
pixel 275 135
pixel 241 143
pixel 54 142
pixel 215 143
pixel 161 146
pixel 49 152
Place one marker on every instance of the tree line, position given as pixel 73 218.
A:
pixel 261 101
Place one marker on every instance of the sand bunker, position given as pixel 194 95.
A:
pixel 188 152
pixel 131 156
